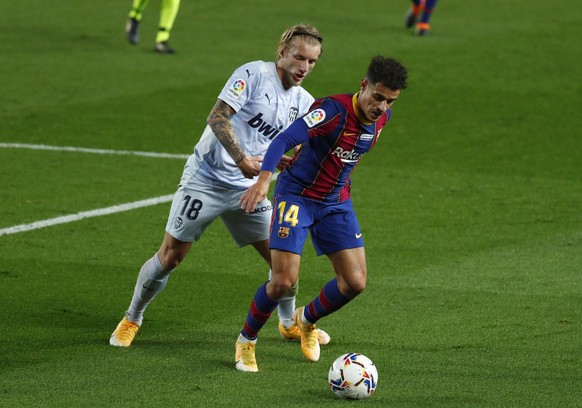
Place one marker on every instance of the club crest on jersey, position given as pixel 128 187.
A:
pixel 178 223
pixel 283 232
pixel 293 111
pixel 237 88
pixel 314 117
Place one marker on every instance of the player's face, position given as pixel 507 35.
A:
pixel 295 63
pixel 375 99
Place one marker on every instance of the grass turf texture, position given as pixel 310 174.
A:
pixel 470 206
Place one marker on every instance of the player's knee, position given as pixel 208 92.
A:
pixel 355 283
pixel 172 252
pixel 357 286
pixel 170 260
pixel 293 290
pixel 279 288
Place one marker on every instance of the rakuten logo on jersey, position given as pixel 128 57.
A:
pixel 268 130
pixel 347 156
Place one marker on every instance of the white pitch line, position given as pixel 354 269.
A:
pixel 89 150
pixel 86 214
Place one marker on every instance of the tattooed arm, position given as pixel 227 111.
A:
pixel 219 122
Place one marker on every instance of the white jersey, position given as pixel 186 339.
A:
pixel 263 109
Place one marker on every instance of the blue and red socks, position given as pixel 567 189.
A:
pixel 259 312
pixel 429 6
pixel 328 301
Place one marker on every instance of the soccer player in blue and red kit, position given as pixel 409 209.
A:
pixel 425 7
pixel 313 195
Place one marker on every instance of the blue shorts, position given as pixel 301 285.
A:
pixel 333 226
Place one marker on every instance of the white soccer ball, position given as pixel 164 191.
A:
pixel 353 376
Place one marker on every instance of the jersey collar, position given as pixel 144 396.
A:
pixel 359 114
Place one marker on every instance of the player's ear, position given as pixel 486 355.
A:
pixel 364 84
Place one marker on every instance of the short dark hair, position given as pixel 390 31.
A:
pixel 388 71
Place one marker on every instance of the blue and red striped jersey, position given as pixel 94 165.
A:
pixel 333 136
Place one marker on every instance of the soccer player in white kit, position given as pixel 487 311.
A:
pixel 259 100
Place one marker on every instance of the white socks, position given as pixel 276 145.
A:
pixel 242 339
pixel 285 310
pixel 151 280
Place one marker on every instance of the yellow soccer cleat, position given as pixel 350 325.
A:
pixel 309 340
pixel 292 333
pixel 245 357
pixel 124 333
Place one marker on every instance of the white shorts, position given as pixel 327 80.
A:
pixel 197 204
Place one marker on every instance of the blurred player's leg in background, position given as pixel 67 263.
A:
pixel 414 12
pixel 132 25
pixel 423 26
pixel 167 18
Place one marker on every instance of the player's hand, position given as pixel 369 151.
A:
pixel 284 162
pixel 256 193
pixel 250 166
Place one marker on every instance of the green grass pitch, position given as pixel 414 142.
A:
pixel 470 205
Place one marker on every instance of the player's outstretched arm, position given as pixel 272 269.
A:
pixel 257 192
